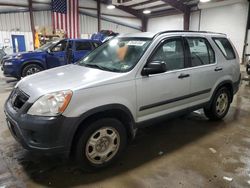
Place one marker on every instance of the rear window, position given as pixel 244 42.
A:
pixel 225 47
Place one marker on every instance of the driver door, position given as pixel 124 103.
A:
pixel 57 55
pixel 163 93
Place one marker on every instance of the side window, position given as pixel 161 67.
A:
pixel 225 47
pixel 83 46
pixel 95 44
pixel 201 52
pixel 61 46
pixel 171 51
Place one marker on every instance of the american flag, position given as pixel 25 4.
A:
pixel 65 17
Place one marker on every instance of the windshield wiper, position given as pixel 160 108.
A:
pixel 96 66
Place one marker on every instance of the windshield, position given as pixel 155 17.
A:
pixel 47 45
pixel 117 55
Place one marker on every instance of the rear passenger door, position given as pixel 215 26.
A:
pixel 81 49
pixel 204 71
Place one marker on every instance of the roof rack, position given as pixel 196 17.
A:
pixel 186 31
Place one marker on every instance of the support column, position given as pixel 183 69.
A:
pixel 144 24
pixel 98 15
pixel 186 20
pixel 32 25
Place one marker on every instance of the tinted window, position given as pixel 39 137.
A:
pixel 61 46
pixel 171 51
pixel 225 47
pixel 83 46
pixel 201 52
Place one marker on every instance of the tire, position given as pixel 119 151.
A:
pixel 31 69
pixel 94 143
pixel 248 68
pixel 220 105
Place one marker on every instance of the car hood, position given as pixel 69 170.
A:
pixel 71 77
pixel 24 54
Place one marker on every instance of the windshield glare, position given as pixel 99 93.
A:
pixel 117 55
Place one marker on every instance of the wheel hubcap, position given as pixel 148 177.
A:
pixel 221 103
pixel 102 145
pixel 32 71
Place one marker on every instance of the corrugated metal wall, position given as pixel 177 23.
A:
pixel 116 27
pixel 42 18
pixel 15 21
pixel 88 25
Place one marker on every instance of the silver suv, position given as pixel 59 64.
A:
pixel 93 108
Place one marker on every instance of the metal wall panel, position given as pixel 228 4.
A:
pixel 88 25
pixel 117 27
pixel 42 18
pixel 15 22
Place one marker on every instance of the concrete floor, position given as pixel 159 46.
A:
pixel 184 152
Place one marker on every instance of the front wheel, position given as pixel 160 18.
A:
pixel 220 105
pixel 31 69
pixel 101 143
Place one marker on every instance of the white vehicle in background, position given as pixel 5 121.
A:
pixel 93 108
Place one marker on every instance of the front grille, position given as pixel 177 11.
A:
pixel 18 98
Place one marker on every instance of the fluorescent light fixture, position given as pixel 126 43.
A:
pixel 146 11
pixel 204 1
pixel 110 6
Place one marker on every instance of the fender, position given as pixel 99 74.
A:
pixel 38 62
pixel 225 82
pixel 130 125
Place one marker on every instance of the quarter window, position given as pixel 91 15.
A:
pixel 201 52
pixel 171 51
pixel 225 47
pixel 83 46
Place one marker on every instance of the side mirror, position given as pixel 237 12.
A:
pixel 154 67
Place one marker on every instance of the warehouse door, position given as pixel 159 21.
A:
pixel 18 43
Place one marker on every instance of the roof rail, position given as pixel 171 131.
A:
pixel 185 31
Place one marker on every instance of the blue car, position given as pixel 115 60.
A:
pixel 50 55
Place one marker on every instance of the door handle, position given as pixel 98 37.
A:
pixel 218 69
pixel 183 76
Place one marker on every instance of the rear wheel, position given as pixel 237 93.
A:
pixel 31 69
pixel 101 143
pixel 220 105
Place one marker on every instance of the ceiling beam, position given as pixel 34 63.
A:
pixel 155 6
pixel 177 5
pixel 130 11
pixel 14 5
pixel 143 3
pixel 168 12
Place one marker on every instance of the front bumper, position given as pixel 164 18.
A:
pixel 41 134
pixel 11 70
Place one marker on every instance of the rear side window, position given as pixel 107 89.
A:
pixel 201 52
pixel 225 47
pixel 83 46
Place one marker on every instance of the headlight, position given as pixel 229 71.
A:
pixel 18 56
pixel 8 63
pixel 51 104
